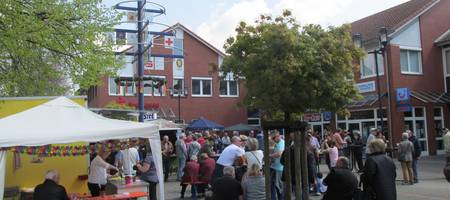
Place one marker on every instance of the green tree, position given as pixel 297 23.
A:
pixel 47 45
pixel 291 69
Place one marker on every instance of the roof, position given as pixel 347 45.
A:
pixel 393 18
pixel 431 97
pixel 204 124
pixel 367 100
pixel 443 39
pixel 241 127
pixel 191 33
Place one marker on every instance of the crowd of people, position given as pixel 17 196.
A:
pixel 230 166
pixel 234 163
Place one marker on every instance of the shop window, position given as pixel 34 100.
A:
pixel 418 112
pixel 439 126
pixel 410 61
pixel 342 126
pixel 202 87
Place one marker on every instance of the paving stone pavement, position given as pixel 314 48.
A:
pixel 432 184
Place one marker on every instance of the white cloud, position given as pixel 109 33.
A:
pixel 324 12
pixel 221 23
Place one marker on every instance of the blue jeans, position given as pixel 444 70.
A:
pixel 181 165
pixel 414 166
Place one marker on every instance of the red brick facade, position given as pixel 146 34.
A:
pixel 198 57
pixel 433 22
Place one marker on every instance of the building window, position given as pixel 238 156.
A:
pixel 178 86
pixel 155 87
pixel 113 87
pixel 439 125
pixel 124 88
pixel 229 88
pixel 410 61
pixel 368 67
pixel 201 87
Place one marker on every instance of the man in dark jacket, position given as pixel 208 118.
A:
pixel 227 187
pixel 379 173
pixel 341 182
pixel 50 189
pixel 416 153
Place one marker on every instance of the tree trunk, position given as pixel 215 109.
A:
pixel 298 173
pixel 305 183
pixel 267 163
pixel 287 158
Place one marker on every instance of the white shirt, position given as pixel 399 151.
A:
pixel 97 171
pixel 254 157
pixel 369 139
pixel 129 158
pixel 229 155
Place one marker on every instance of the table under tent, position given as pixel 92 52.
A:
pixel 62 121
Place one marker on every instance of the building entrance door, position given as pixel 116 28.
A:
pixel 416 122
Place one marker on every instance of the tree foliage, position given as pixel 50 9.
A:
pixel 46 45
pixel 291 68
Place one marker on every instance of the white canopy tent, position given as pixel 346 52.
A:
pixel 165 124
pixel 63 121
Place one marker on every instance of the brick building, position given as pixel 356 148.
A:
pixel 417 57
pixel 207 95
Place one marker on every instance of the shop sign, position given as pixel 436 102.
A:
pixel 366 87
pixel 150 117
pixel 403 97
pixel 327 116
pixel 315 117
pixel 403 94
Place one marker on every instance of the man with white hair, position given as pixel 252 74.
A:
pixel 227 187
pixel 181 150
pixel 50 189
pixel 370 138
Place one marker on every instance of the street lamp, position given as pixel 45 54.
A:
pixel 383 40
pixel 179 92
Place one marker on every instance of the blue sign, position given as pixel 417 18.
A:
pixel 403 94
pixel 404 107
pixel 327 116
pixel 366 87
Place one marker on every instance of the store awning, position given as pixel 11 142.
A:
pixel 367 100
pixel 431 97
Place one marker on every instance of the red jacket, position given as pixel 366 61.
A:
pixel 207 167
pixel 191 172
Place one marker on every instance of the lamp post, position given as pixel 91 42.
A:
pixel 179 92
pixel 383 42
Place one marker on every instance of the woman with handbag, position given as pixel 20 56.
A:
pixel 406 150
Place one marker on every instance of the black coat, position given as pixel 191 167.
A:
pixel 417 148
pixel 50 190
pixel 342 184
pixel 379 176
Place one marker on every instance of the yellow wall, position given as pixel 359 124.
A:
pixel 32 174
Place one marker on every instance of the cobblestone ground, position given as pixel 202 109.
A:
pixel 432 184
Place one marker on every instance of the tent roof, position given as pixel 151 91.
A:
pixel 241 127
pixel 63 121
pixel 204 124
pixel 165 124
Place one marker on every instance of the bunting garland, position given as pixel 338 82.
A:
pixel 68 150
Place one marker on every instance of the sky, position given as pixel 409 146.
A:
pixel 215 20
